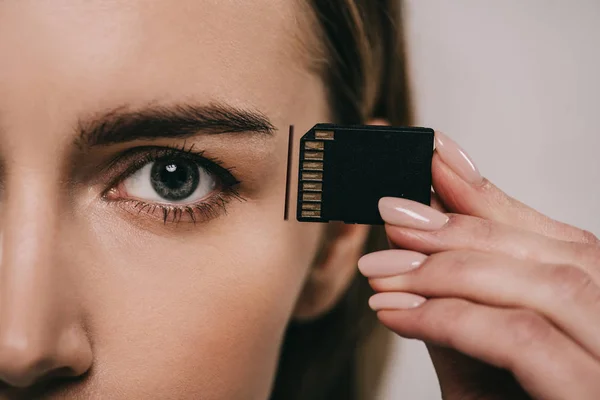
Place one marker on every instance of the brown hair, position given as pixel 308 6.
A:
pixel 365 77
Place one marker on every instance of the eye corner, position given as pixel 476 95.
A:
pixel 110 194
pixel 200 210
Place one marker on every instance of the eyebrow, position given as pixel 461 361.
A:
pixel 122 125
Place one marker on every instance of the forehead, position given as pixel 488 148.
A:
pixel 86 54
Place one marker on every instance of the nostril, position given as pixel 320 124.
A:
pixel 46 386
pixel 30 360
pixel 22 373
pixel 58 373
pixel 22 365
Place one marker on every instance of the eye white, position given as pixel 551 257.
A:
pixel 139 185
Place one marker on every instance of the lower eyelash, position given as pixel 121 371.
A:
pixel 200 212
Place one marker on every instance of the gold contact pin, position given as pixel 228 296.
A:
pixel 313 155
pixel 312 186
pixel 311 196
pixel 312 176
pixel 312 166
pixel 311 214
pixel 311 206
pixel 324 135
pixel 314 146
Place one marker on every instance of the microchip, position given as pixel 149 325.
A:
pixel 345 169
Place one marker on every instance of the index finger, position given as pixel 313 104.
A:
pixel 462 189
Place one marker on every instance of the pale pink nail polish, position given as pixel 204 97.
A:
pixel 457 159
pixel 389 262
pixel 411 214
pixel 395 301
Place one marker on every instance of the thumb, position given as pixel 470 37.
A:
pixel 462 189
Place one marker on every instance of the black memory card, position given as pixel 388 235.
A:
pixel 345 169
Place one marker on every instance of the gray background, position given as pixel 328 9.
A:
pixel 516 83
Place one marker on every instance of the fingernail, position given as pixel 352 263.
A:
pixel 385 263
pixel 395 301
pixel 457 159
pixel 411 214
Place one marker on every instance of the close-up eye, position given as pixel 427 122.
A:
pixel 170 180
pixel 174 182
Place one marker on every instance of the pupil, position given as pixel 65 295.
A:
pixel 174 179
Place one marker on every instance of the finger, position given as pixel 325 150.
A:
pixel 546 363
pixel 464 232
pixel 461 377
pixel 436 203
pixel 566 295
pixel 462 190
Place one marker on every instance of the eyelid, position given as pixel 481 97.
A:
pixel 130 161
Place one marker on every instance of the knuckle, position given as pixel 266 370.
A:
pixel 593 253
pixel 527 328
pixel 455 261
pixel 485 229
pixel 588 254
pixel 589 238
pixel 571 283
pixel 480 229
pixel 463 267
pixel 442 315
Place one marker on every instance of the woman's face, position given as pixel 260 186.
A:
pixel 116 119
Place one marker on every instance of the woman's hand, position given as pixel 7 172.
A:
pixel 507 299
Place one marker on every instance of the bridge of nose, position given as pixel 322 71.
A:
pixel 39 332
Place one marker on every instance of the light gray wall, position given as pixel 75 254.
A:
pixel 516 83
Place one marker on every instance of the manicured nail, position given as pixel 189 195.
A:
pixel 395 301
pixel 457 159
pixel 385 263
pixel 411 214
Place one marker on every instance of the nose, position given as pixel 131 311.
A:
pixel 25 361
pixel 41 333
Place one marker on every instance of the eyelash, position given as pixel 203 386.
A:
pixel 202 211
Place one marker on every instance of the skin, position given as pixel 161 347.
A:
pixel 98 300
pixel 510 296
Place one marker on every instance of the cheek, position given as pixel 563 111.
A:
pixel 201 316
